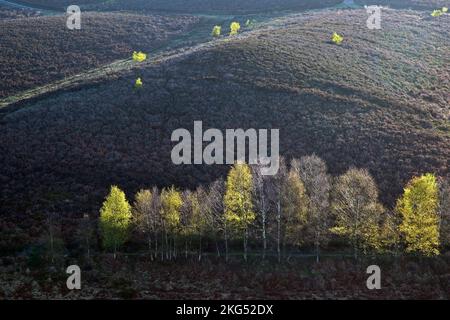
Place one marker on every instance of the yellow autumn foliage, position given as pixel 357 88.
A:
pixel 420 221
pixel 217 30
pixel 234 28
pixel 139 56
pixel 138 83
pixel 337 39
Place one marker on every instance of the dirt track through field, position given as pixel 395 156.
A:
pixel 23 6
pixel 162 55
pixel 199 37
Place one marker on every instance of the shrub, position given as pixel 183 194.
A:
pixel 337 39
pixel 139 56
pixel 439 12
pixel 138 83
pixel 234 28
pixel 115 219
pixel 216 31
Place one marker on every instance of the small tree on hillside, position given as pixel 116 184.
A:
pixel 115 220
pixel 234 28
pixel 419 210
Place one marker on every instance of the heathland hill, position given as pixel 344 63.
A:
pixel 31 58
pixel 380 100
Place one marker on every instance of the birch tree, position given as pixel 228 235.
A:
pixel 418 207
pixel 294 204
pixel 313 173
pixel 276 183
pixel 115 220
pixel 239 212
pixel 357 209
pixel 171 203
pixel 261 200
pixel 212 206
pixel 146 217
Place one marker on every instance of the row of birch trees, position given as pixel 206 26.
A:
pixel 299 210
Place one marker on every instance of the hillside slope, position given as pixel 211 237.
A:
pixel 379 101
pixel 36 51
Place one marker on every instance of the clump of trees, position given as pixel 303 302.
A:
pixel 300 208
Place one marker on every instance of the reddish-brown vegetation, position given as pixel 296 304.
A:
pixel 138 278
pixel 217 6
pixel 378 101
pixel 406 4
pixel 41 50
pixel 56 4
pixel 11 13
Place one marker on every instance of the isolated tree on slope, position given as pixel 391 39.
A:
pixel 357 210
pixel 115 220
pixel 317 182
pixel 239 213
pixel 419 210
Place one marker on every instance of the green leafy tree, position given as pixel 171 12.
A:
pixel 418 208
pixel 239 213
pixel 115 220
